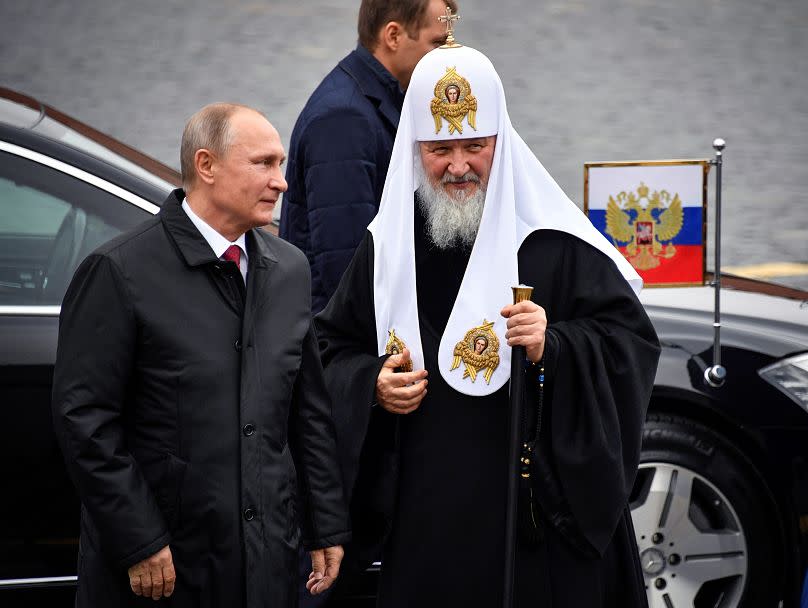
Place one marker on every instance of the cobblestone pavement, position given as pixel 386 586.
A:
pixel 586 80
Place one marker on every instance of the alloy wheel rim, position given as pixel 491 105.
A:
pixel 692 546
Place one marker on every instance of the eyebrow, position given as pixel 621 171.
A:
pixel 270 156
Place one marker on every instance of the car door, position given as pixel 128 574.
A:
pixel 52 214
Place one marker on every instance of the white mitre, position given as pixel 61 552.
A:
pixel 521 197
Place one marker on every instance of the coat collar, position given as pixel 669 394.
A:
pixel 375 82
pixel 193 246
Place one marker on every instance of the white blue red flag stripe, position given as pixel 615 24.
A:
pixel 654 213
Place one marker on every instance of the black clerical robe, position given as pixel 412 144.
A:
pixel 430 486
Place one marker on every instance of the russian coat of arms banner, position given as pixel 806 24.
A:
pixel 655 213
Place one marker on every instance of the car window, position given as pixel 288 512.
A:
pixel 49 222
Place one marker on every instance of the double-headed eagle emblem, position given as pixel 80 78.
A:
pixel 646 226
pixel 453 102
pixel 479 350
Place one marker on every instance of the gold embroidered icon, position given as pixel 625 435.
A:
pixel 658 221
pixel 396 346
pixel 479 350
pixel 453 101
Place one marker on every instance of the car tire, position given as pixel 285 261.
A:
pixel 706 526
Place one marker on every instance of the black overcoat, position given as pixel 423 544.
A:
pixel 190 414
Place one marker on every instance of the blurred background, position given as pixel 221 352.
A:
pixel 586 80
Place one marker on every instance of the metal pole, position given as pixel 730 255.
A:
pixel 517 386
pixel 716 374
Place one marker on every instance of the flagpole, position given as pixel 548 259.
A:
pixel 517 386
pixel 716 374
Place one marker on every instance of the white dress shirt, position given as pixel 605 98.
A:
pixel 217 242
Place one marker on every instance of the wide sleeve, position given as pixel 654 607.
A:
pixel 94 368
pixel 366 432
pixel 340 174
pixel 346 330
pixel 600 359
pixel 313 443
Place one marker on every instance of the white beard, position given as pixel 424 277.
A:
pixel 451 221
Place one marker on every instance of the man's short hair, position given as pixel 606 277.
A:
pixel 375 14
pixel 209 128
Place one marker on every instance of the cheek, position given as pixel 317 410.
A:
pixel 477 166
pixel 435 168
pixel 256 179
pixel 482 165
pixel 238 181
pixel 440 171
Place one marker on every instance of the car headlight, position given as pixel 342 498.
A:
pixel 790 376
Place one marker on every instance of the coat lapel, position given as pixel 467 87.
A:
pixel 195 250
pixel 262 261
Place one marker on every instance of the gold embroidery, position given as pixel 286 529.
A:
pixel 396 346
pixel 479 350
pixel 453 101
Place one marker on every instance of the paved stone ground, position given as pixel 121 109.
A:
pixel 586 80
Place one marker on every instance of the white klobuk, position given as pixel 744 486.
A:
pixel 521 197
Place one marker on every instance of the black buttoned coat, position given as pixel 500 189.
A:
pixel 191 412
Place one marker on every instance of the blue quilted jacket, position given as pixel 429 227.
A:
pixel 338 158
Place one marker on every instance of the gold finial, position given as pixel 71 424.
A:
pixel 521 293
pixel 449 19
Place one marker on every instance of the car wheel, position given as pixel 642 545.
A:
pixel 704 522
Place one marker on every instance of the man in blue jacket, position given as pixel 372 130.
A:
pixel 343 138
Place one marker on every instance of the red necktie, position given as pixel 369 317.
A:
pixel 233 254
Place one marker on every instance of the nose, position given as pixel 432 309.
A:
pixel 458 165
pixel 277 181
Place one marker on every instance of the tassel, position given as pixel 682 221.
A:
pixel 528 520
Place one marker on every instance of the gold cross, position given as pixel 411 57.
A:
pixel 449 19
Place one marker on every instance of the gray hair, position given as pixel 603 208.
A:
pixel 210 129
pixel 451 221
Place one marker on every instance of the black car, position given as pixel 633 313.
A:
pixel 57 203
pixel 721 500
pixel 720 505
